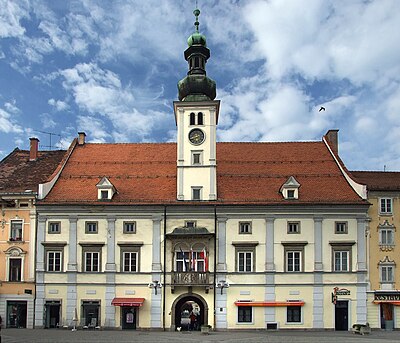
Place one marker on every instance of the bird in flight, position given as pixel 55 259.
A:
pixel 321 109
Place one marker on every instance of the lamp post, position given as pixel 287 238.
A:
pixel 222 284
pixel 156 285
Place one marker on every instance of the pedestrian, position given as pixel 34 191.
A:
pixel 192 321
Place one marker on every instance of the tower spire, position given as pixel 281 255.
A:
pixel 196 86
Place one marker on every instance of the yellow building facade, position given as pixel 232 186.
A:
pixel 383 296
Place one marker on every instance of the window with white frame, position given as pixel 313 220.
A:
pixel 293 314
pixel 341 227
pixel 385 206
pixel 294 256
pixel 196 193
pixel 91 227
pixel 245 314
pixel 54 260
pixel 341 255
pixel 15 269
pixel 387 273
pixel 182 261
pixel 54 227
pixel 293 227
pixel 386 270
pixel 16 230
pixel 386 237
pixel 130 261
pixel 130 227
pixel 293 261
pixel 245 261
pixel 245 256
pixel 244 227
pixel 91 257
pixel 341 260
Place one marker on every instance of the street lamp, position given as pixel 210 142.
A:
pixel 156 285
pixel 222 284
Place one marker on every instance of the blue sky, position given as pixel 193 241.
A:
pixel 110 68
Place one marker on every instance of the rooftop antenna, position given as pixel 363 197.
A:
pixel 51 134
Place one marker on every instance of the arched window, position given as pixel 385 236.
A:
pixel 200 118
pixel 192 119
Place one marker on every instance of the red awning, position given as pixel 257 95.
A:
pixel 127 301
pixel 393 302
pixel 269 303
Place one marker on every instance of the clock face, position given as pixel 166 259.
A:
pixel 196 136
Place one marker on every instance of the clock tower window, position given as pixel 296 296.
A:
pixel 199 118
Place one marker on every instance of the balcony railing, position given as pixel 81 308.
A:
pixel 190 278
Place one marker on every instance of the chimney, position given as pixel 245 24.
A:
pixel 33 152
pixel 332 138
pixel 81 138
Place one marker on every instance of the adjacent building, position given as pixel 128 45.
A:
pixel 384 241
pixel 192 233
pixel 20 174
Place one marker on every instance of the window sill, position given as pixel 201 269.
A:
pixel 15 241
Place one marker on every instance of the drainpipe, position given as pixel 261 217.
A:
pixel 164 261
pixel 215 263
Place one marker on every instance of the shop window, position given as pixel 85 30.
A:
pixel 245 314
pixel 293 314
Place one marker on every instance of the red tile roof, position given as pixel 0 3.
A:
pixel 378 181
pixel 145 173
pixel 18 174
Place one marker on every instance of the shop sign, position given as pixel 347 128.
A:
pixel 387 297
pixel 339 291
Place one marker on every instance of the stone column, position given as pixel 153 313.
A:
pixel 110 274
pixel 318 291
pixel 72 269
pixel 221 243
pixel 269 312
pixel 40 287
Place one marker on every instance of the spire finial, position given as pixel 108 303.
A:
pixel 196 12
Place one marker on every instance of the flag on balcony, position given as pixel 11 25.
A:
pixel 203 255
pixel 184 260
pixel 193 260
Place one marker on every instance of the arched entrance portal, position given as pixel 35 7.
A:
pixel 189 312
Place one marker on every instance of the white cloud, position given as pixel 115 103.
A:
pixel 47 121
pixel 59 105
pixel 8 124
pixel 11 13
pixel 11 106
pixel 100 92
pixel 94 128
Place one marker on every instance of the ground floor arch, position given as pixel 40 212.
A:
pixel 189 312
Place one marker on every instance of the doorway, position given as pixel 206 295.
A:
pixel 90 313
pixel 52 314
pixel 128 317
pixel 387 316
pixel 16 314
pixel 189 312
pixel 342 315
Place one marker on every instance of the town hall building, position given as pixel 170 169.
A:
pixel 201 233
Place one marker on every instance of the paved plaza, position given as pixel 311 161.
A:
pixel 65 336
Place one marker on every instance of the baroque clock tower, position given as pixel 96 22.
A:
pixel 196 116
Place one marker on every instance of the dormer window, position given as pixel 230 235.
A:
pixel 105 189
pixel 290 189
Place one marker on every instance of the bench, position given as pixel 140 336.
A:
pixel 362 329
